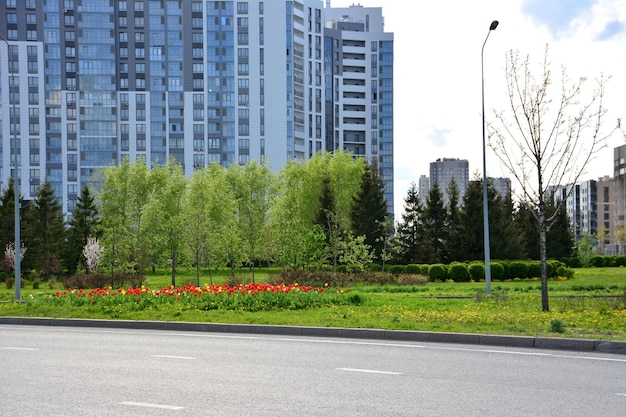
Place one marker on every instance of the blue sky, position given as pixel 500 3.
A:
pixel 438 80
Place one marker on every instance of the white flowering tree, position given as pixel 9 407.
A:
pixel 9 255
pixel 93 253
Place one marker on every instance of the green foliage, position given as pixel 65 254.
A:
pixel 369 212
pixel 557 326
pixel 412 269
pixel 565 272
pixel 534 269
pixel 395 269
pixel 437 272
pixel 497 270
pixel 44 233
pixel 620 260
pixel 458 272
pixel 585 250
pixel 476 271
pixel 597 261
pixel 518 269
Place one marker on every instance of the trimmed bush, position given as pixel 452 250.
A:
pixel 476 271
pixel 518 269
pixel 497 270
pixel 412 269
pixel 565 272
pixel 457 272
pixel 395 269
pixel 597 261
pixel 437 272
pixel 620 260
pixel 534 269
pixel 425 268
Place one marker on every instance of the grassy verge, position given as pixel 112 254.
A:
pixel 591 305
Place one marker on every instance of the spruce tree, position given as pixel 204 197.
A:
pixel 83 224
pixel 453 222
pixel 369 210
pixel 44 232
pixel 436 229
pixel 409 228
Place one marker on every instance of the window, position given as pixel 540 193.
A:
pixel 31 18
pixel 139 37
pixel 140 67
pixel 123 37
pixel 11 18
pixel 31 35
pixel 139 21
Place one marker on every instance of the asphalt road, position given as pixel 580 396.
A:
pixel 66 371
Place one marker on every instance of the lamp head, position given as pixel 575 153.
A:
pixel 494 25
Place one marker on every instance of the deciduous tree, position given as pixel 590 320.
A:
pixel 547 137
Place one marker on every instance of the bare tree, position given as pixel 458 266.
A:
pixel 547 138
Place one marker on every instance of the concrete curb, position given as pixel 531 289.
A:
pixel 581 345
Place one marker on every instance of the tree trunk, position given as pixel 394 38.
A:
pixel 545 305
pixel 174 271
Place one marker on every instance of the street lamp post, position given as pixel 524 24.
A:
pixel 16 182
pixel 493 26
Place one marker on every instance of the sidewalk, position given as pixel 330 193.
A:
pixel 581 345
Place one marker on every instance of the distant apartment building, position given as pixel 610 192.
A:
pixel 502 186
pixel 444 170
pixel 87 84
pixel 605 213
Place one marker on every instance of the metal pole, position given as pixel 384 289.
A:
pixel 493 26
pixel 16 181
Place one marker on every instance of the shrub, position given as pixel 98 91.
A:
pixel 565 272
pixel 9 283
pixel 437 272
pixel 534 269
pixel 425 268
pixel 476 271
pixel 557 326
pixel 597 261
pixel 36 283
pixel 457 271
pixel 497 270
pixel 573 262
pixel 620 260
pixel 395 269
pixel 412 269
pixel 518 269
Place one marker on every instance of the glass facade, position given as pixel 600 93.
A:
pixel 87 84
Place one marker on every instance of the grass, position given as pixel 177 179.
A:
pixel 591 305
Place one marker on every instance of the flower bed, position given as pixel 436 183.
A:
pixel 250 297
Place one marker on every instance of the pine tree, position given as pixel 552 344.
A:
pixel 453 221
pixel 369 210
pixel 409 228
pixel 436 230
pixel 44 232
pixel 83 225
pixel 472 244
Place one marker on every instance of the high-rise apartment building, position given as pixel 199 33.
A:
pixel 86 84
pixel 444 170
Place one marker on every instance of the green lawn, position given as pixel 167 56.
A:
pixel 591 305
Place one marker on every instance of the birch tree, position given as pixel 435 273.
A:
pixel 551 131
